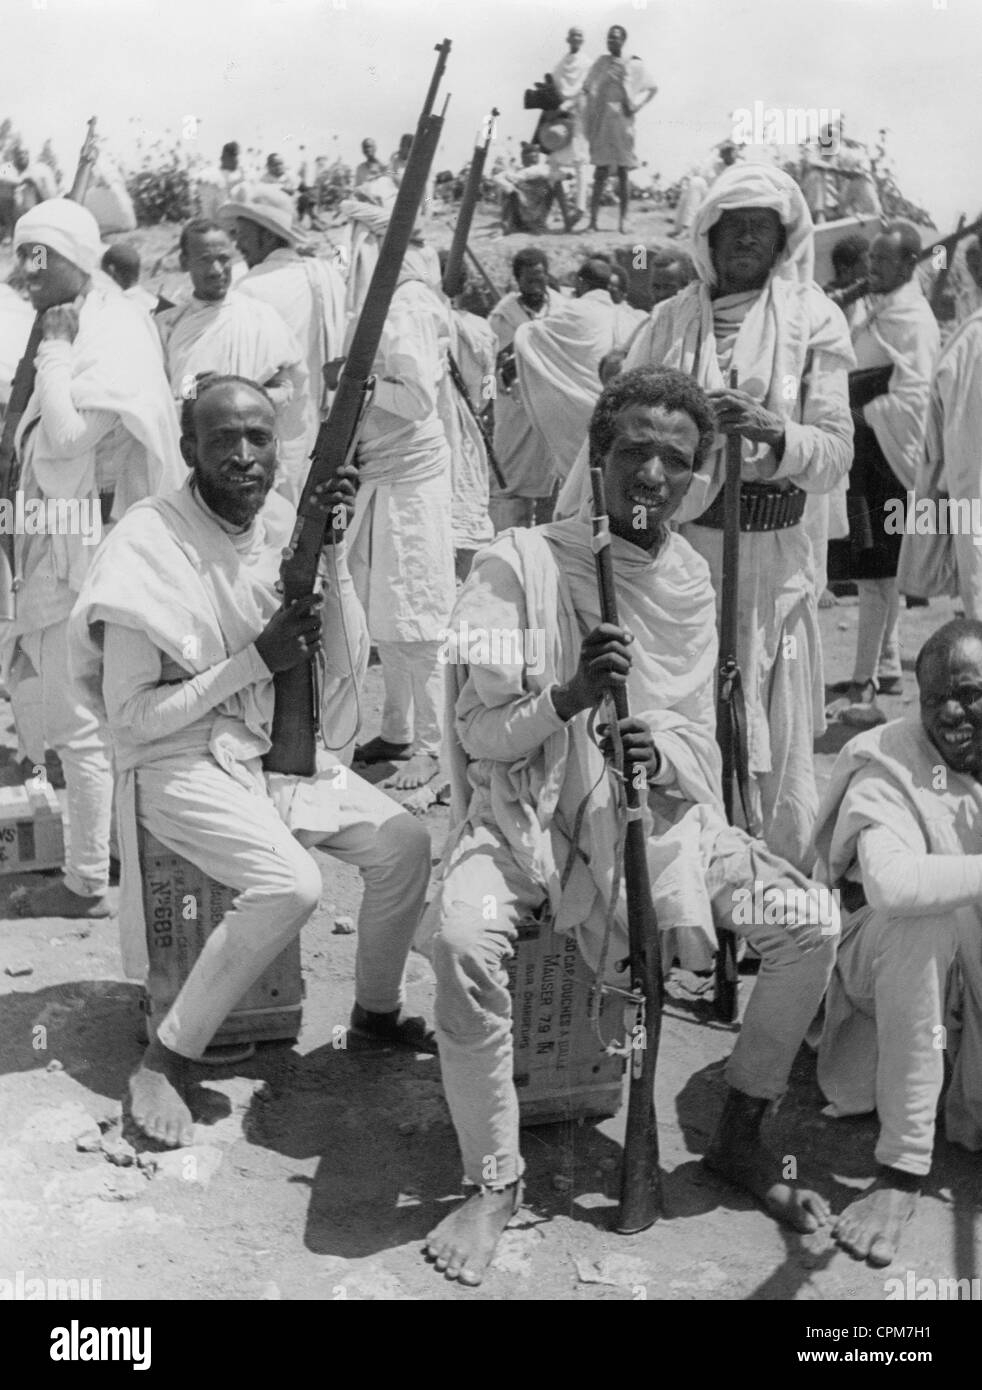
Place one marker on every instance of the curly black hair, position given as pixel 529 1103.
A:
pixel 662 386
pixel 205 382
pixel 848 250
pixel 528 256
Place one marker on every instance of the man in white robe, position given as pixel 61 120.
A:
pixel 215 329
pixel 617 88
pixel 524 769
pixel 401 535
pixel 756 308
pixel 558 359
pixel 177 635
pixel 527 468
pixel 900 834
pixel 898 331
pixel 569 77
pixel 952 467
pixel 213 186
pixel 472 345
pixel 98 435
pixel 306 291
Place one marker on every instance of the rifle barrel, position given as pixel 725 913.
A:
pixel 641 1196
pixel 726 1002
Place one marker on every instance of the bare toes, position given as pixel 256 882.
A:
pixel 881 1252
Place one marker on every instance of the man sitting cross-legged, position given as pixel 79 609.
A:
pixel 524 764
pixel 178 631
pixel 900 829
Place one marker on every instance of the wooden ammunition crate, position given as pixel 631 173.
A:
pixel 561 1071
pixel 31 834
pixel 183 906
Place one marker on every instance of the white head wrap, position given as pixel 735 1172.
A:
pixel 757 186
pixel 65 227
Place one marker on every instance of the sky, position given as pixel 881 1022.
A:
pixel 280 74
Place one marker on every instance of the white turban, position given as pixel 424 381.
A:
pixel 67 228
pixel 757 186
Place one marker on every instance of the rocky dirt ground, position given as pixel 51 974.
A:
pixel 317 1171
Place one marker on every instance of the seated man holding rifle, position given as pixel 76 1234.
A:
pixel 537 825
pixel 176 636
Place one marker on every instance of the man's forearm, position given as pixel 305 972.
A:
pixel 146 709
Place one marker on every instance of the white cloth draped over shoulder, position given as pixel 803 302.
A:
pixel 367 220
pixel 115 370
pixel 241 335
pixel 558 360
pixel 169 571
pixel 308 293
pixel 888 777
pixel 238 336
pixel 401 534
pixel 791 350
pixel 543 580
pixel 951 465
pixel 474 349
pixel 906 332
pixel 517 444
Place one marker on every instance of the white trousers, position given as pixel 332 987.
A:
pixel 968 561
pixel 81 741
pixel 885 1032
pixel 237 837
pixel 878 633
pixel 468 946
pixel 414 694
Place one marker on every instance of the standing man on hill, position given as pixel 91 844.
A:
pixel 617 88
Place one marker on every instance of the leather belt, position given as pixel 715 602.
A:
pixel 763 507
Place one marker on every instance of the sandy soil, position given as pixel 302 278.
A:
pixel 317 1171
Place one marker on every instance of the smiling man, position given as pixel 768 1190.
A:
pixel 98 430
pixel 900 832
pixel 216 329
pixel 523 763
pixel 177 637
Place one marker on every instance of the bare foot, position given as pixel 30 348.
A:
pixel 379 750
pixel 758 1172
pixel 828 599
pixel 463 1244
pixel 57 900
pixel 420 769
pixel 156 1097
pixel 737 1154
pixel 870 1228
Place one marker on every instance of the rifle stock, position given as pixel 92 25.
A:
pixel 641 1197
pixel 21 390
pixel 295 718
